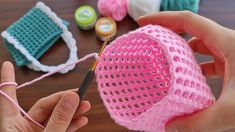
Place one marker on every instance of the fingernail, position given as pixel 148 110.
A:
pixel 171 129
pixel 139 18
pixel 85 120
pixel 7 63
pixel 70 101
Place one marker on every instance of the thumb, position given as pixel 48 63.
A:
pixel 63 113
pixel 8 75
pixel 183 124
pixel 213 119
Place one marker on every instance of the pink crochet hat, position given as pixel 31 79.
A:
pixel 149 76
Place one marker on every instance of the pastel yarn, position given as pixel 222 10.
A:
pixel 150 76
pixel 178 5
pixel 137 8
pixel 117 9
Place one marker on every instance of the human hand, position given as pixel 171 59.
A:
pixel 209 39
pixel 57 112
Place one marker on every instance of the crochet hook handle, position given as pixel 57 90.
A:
pixel 85 83
pixel 89 75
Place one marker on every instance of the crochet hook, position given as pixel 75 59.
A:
pixel 89 75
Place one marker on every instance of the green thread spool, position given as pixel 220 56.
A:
pixel 85 17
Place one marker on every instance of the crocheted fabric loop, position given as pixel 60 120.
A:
pixel 149 76
pixel 33 34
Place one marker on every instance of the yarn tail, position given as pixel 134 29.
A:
pixel 57 70
pixel 38 79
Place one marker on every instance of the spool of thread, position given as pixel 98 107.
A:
pixel 105 28
pixel 85 17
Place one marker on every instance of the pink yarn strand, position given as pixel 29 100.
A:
pixel 57 70
pixel 38 79
pixel 21 110
pixel 8 83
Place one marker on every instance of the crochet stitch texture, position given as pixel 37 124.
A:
pixel 33 34
pixel 36 32
pixel 149 76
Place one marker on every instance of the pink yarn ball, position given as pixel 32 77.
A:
pixel 117 9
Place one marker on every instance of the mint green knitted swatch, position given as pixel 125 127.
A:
pixel 36 32
pixel 179 5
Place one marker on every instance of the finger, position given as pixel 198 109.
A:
pixel 77 123
pixel 217 118
pixel 203 121
pixel 198 46
pixel 43 108
pixel 198 26
pixel 155 18
pixel 63 113
pixel 181 21
pixel 83 108
pixel 8 75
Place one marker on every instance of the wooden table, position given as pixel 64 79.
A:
pixel 222 12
